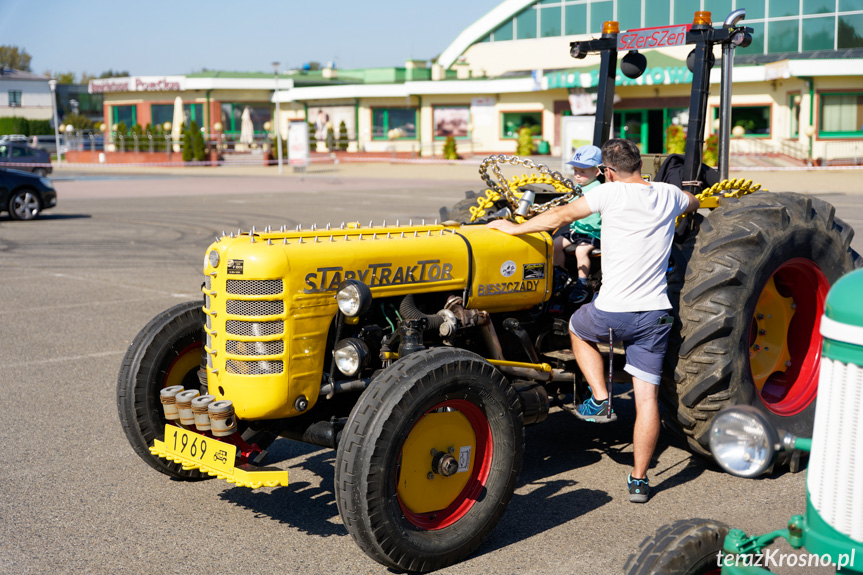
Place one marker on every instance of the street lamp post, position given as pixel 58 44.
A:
pixel 53 85
pixel 278 119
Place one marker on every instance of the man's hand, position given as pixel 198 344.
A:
pixel 504 226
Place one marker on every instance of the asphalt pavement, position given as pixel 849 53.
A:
pixel 122 246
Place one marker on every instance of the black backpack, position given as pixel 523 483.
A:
pixel 671 172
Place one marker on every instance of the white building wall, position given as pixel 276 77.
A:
pixel 35 99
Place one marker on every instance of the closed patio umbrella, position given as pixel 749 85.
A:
pixel 178 121
pixel 247 130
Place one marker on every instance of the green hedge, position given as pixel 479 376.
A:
pixel 18 125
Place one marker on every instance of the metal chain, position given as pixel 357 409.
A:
pixel 502 186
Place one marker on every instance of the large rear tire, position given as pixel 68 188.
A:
pixel 686 547
pixel 398 499
pixel 166 352
pixel 749 288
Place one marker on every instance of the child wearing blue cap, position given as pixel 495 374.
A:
pixel 585 232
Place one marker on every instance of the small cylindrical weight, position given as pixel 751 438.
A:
pixel 222 420
pixel 168 397
pixel 184 406
pixel 199 408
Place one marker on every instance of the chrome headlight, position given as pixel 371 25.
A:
pixel 743 441
pixel 353 298
pixel 350 355
pixel 213 258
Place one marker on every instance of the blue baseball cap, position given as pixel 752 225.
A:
pixel 586 157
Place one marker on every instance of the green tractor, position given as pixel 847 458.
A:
pixel 746 444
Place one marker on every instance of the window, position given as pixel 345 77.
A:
pixel 503 32
pixel 754 10
pixel 511 122
pixel 656 13
pixel 684 10
pixel 851 31
pixel 841 115
pixel 161 113
pixel 231 116
pixel 848 5
pixel 525 24
pixel 451 121
pixel 754 119
pixel 783 35
pixel 818 6
pixel 549 21
pixel 818 33
pixel 780 9
pixel 600 12
pixel 794 120
pixel 629 14
pixel 14 98
pixel 127 115
pixel 576 19
pixel 394 123
pixel 757 46
pixel 195 112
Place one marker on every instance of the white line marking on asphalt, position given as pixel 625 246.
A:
pixel 62 359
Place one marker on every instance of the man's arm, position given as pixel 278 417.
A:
pixel 547 221
pixel 693 203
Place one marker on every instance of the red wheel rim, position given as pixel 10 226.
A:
pixel 465 500
pixel 789 392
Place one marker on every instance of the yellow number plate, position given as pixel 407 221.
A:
pixel 199 449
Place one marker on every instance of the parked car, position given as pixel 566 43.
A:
pixel 47 143
pixel 25 195
pixel 20 153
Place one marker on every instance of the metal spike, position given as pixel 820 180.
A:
pixel 252 231
pixel 375 236
pixel 251 238
pixel 267 229
pixel 283 228
pixel 269 242
pixel 223 233
pixel 435 221
pixel 328 226
pixel 332 239
pixel 361 237
pixel 342 226
pixel 385 223
pixel 424 221
pixel 415 233
pixel 314 227
pixel 397 223
pixel 232 234
pixel 299 227
pixel 441 233
pixel 285 242
pixel 317 241
pixel 218 239
pixel 410 222
pixel 429 234
pixel 301 239
pixel 403 235
pixel 239 232
pixel 371 223
pixel 388 235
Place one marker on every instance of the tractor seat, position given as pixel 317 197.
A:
pixel 570 250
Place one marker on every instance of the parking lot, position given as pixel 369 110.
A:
pixel 81 281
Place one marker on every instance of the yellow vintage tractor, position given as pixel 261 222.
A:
pixel 420 351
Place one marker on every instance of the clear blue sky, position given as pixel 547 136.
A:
pixel 158 37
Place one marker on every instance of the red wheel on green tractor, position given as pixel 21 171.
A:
pixel 166 352
pixel 429 459
pixel 749 288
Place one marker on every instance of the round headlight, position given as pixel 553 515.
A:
pixel 743 441
pixel 353 298
pixel 350 355
pixel 214 258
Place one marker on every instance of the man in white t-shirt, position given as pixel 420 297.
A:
pixel 637 232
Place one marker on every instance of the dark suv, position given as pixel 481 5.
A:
pixel 20 156
pixel 25 195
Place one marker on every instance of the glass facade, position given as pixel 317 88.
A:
pixel 232 116
pixel 780 25
pixel 394 123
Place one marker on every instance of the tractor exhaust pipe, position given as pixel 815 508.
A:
pixel 725 96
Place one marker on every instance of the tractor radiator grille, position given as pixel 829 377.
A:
pixel 254 328
pixel 254 308
pixel 835 473
pixel 253 367
pixel 254 287
pixel 255 347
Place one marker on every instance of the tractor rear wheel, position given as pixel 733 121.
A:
pixel 686 547
pixel 166 352
pixel 460 212
pixel 749 288
pixel 429 459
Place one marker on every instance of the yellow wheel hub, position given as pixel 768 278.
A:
pixel 422 490
pixel 183 365
pixel 768 354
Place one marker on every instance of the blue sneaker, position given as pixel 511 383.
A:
pixel 639 489
pixel 594 412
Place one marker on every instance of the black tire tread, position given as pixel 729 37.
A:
pixel 677 547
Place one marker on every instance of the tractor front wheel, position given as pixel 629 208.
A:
pixel 166 352
pixel 429 459
pixel 686 547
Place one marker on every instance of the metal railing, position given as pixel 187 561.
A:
pixel 765 147
pixel 844 152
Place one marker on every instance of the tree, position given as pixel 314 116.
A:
pixel 449 149
pixel 113 74
pixel 342 136
pixel 188 152
pixel 15 58
pixel 331 138
pixel 525 141
pixel 65 77
pixel 78 121
pixel 199 151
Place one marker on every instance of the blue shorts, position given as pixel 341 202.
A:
pixel 643 335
